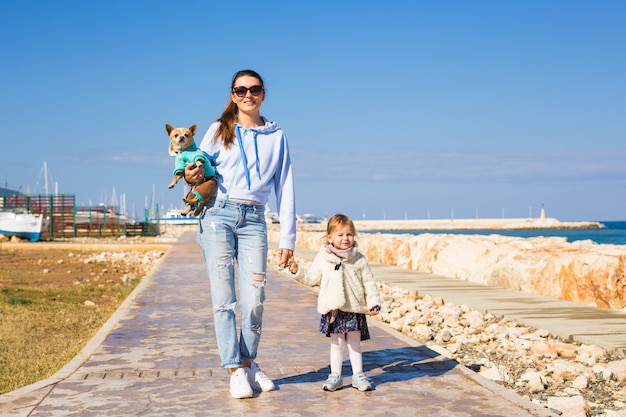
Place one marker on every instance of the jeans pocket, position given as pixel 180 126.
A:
pixel 215 206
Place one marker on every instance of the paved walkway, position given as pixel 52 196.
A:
pixel 157 357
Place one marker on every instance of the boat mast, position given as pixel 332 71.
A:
pixel 45 176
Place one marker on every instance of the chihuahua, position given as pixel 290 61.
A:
pixel 185 151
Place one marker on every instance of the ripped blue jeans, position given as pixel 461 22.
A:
pixel 233 233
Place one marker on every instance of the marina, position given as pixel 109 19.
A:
pixel 173 217
pixel 99 215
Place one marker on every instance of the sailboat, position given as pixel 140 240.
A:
pixel 22 225
pixel 16 220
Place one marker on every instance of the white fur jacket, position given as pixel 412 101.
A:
pixel 348 286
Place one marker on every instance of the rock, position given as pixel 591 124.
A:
pixel 618 369
pixel 421 332
pixel 566 350
pixel 589 354
pixel 569 406
pixel 89 303
pixel 445 336
pixel 497 373
pixel 544 349
pixel 563 372
pixel 615 413
pixel 580 382
pixel 536 381
pixel 128 279
pixel 543 333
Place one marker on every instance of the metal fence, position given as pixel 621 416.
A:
pixel 64 219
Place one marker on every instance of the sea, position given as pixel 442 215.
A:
pixel 612 233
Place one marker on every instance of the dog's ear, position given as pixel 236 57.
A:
pixel 193 128
pixel 168 128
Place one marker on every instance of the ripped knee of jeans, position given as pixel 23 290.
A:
pixel 258 279
pixel 225 262
pixel 226 307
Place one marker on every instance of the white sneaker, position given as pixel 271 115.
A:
pixel 239 385
pixel 333 382
pixel 361 382
pixel 258 380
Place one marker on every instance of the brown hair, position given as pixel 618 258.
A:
pixel 226 131
pixel 339 220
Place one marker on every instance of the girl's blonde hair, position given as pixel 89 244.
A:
pixel 339 220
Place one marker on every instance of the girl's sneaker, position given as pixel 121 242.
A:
pixel 361 382
pixel 333 383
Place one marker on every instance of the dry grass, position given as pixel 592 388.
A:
pixel 44 328
pixel 44 318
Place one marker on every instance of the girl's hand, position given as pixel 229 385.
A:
pixel 193 173
pixel 374 310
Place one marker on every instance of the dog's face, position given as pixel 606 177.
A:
pixel 180 137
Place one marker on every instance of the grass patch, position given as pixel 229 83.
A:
pixel 44 327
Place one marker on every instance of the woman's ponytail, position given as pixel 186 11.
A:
pixel 226 131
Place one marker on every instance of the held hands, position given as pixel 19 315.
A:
pixel 285 260
pixel 194 174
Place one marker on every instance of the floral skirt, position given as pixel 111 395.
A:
pixel 344 323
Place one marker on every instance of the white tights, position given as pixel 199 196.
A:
pixel 337 345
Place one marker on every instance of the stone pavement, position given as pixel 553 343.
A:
pixel 157 356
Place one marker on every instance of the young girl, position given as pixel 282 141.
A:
pixel 347 292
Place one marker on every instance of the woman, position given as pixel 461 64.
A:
pixel 251 157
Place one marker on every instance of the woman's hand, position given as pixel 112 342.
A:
pixel 193 173
pixel 285 258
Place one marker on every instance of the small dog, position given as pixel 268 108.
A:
pixel 185 151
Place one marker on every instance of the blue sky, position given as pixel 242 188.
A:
pixel 393 110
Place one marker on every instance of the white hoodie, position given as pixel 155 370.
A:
pixel 268 166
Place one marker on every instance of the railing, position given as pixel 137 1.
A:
pixel 63 219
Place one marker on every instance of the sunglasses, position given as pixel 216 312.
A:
pixel 255 90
